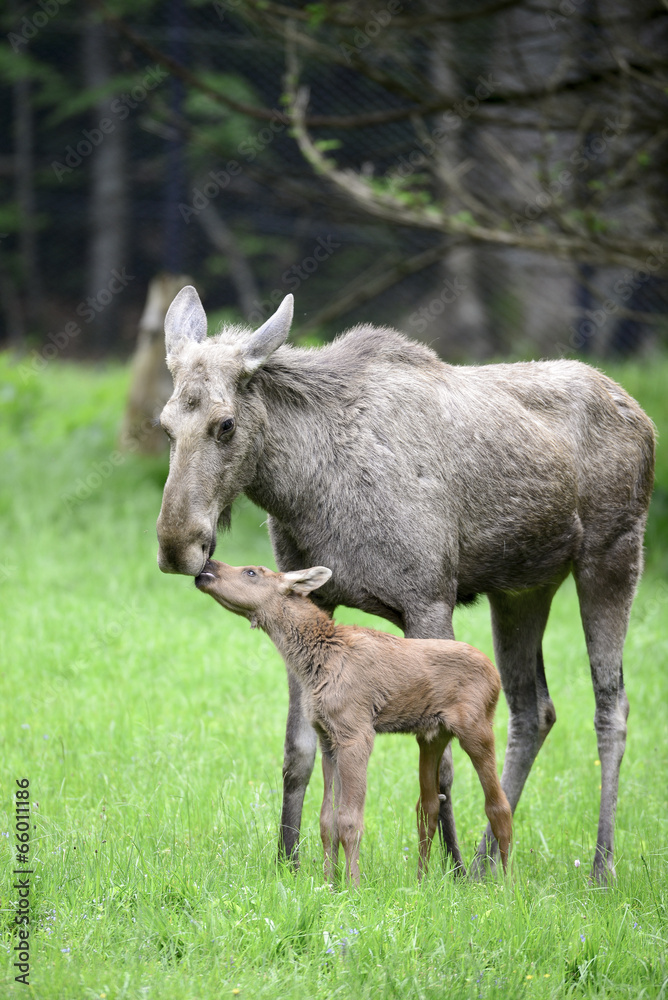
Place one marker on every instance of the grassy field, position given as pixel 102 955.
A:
pixel 149 723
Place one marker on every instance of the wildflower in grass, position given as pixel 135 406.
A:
pixel 582 938
pixel 577 862
pixel 65 951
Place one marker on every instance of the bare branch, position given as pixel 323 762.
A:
pixel 368 285
pixel 224 240
pixel 350 18
pixel 384 205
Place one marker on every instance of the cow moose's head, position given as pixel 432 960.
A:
pixel 214 424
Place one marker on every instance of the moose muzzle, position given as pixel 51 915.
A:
pixel 185 552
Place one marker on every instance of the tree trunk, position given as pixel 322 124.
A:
pixel 108 198
pixel 151 383
pixel 30 316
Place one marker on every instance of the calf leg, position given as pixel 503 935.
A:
pixel 329 832
pixel 518 624
pixel 351 763
pixel 435 622
pixel 606 586
pixel 478 743
pixel 428 804
pixel 298 760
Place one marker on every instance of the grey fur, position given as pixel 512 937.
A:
pixel 420 484
pixel 185 319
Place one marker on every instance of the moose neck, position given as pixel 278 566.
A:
pixel 301 400
pixel 302 633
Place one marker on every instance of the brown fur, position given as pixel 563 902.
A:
pixel 357 682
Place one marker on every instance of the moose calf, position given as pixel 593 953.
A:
pixel 357 682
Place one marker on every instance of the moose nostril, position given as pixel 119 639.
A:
pixel 212 546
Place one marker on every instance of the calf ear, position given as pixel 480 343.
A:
pixel 185 319
pixel 271 335
pixel 303 581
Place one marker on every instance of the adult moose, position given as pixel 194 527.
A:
pixel 420 485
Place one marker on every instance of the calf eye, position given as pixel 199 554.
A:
pixel 250 572
pixel 225 428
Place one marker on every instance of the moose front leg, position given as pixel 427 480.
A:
pixel 329 831
pixel 352 762
pixel 298 760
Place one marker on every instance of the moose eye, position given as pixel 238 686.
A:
pixel 225 428
pixel 250 572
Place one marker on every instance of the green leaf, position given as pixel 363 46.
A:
pixel 324 145
pixel 464 218
pixel 317 13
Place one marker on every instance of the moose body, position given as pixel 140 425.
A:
pixel 357 682
pixel 420 484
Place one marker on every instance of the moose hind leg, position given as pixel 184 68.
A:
pixel 518 624
pixel 606 587
pixel 478 743
pixel 435 622
pixel 298 760
pixel 428 804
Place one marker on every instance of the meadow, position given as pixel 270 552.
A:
pixel 149 724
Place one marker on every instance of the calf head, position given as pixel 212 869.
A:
pixel 214 424
pixel 255 590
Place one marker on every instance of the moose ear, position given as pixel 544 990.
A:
pixel 271 335
pixel 185 319
pixel 303 581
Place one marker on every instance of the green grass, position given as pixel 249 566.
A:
pixel 150 724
